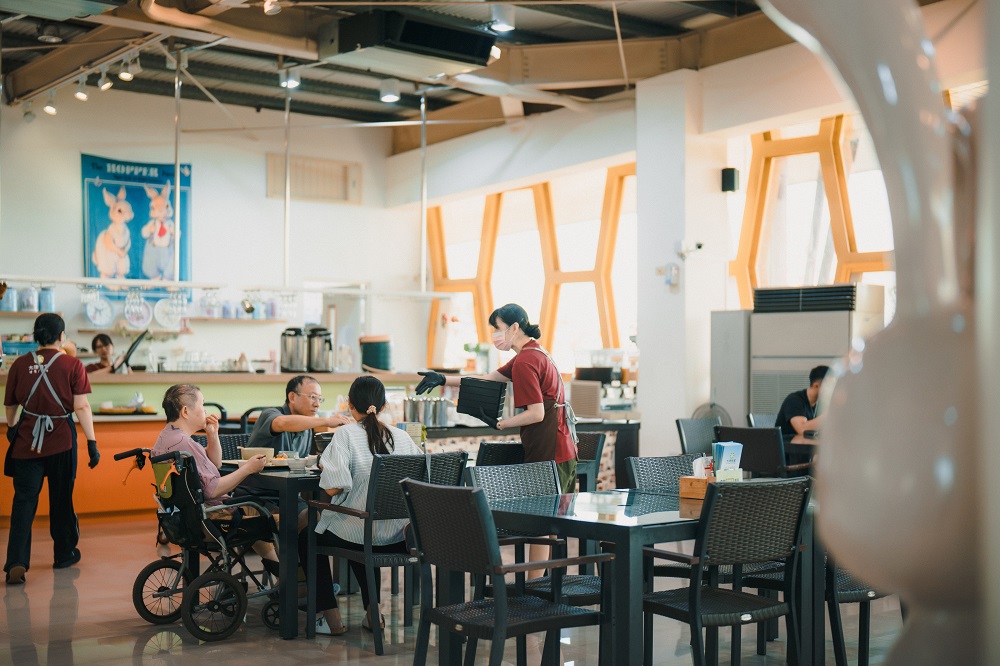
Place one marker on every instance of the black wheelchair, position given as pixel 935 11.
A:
pixel 211 605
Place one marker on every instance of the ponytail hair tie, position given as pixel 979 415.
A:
pixel 371 409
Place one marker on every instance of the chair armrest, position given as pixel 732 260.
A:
pixel 324 506
pixel 560 563
pixel 649 551
pixel 539 541
pixel 236 501
pixel 796 467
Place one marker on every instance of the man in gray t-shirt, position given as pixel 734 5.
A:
pixel 289 428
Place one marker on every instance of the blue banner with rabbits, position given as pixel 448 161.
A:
pixel 130 227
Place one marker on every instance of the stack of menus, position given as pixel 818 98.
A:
pixel 481 395
pixel 727 455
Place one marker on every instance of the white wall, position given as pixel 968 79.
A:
pixel 237 232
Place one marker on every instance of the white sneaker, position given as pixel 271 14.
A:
pixel 323 628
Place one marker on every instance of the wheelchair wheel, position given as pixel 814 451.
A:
pixel 269 615
pixel 214 606
pixel 158 590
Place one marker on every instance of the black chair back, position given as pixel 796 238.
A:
pixel 500 453
pixel 230 444
pixel 590 447
pixel 435 511
pixel 696 434
pixel 662 472
pixel 751 521
pixel 763 448
pixel 245 426
pixel 762 419
pixel 448 469
pixel 385 497
pixel 524 480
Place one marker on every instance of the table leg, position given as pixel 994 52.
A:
pixel 812 592
pixel 450 590
pixel 627 620
pixel 288 566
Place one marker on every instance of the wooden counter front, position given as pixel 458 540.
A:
pixel 100 491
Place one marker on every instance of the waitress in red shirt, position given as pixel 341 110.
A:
pixel 538 389
pixel 49 386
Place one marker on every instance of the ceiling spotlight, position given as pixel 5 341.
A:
pixel 503 18
pixel 495 53
pixel 388 90
pixel 272 7
pixel 290 79
pixel 50 104
pixel 134 68
pixel 124 73
pixel 29 115
pixel 81 89
pixel 49 34
pixel 104 83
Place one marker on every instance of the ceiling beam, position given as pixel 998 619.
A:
pixel 600 18
pixel 166 89
pixel 729 9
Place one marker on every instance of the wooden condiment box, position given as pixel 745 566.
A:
pixel 693 487
pixel 690 508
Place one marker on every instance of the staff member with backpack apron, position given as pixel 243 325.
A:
pixel 547 424
pixel 50 387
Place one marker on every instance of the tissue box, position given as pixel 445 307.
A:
pixel 694 487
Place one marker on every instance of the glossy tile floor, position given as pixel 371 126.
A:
pixel 84 615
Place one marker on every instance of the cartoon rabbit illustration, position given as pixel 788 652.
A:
pixel 110 254
pixel 158 255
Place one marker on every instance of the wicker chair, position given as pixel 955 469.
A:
pixel 763 451
pixel 762 419
pixel 590 448
pixel 500 453
pixel 385 502
pixel 660 473
pixel 532 480
pixel 741 523
pixel 696 434
pixel 434 512
pixel 841 588
pixel 447 469
pixel 245 426
pixel 230 444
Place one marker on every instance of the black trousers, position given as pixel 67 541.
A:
pixel 60 470
pixel 325 599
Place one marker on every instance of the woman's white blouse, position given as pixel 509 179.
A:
pixel 347 464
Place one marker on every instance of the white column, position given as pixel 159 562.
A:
pixel 680 203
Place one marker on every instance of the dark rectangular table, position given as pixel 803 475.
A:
pixel 630 519
pixel 288 485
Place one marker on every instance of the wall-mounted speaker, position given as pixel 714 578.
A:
pixel 730 179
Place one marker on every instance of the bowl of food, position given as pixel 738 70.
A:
pixel 248 452
pixel 296 464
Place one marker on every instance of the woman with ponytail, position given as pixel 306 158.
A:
pixel 347 465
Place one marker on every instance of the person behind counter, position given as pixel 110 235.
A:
pixel 105 350
pixel 290 428
pixel 50 387
pixel 346 466
pixel 798 411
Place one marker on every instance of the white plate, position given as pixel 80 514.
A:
pixel 101 312
pixel 141 317
pixel 165 315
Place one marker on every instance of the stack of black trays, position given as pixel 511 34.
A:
pixel 481 394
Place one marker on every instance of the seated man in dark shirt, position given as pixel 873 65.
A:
pixel 798 411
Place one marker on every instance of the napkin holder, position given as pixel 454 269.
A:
pixel 694 487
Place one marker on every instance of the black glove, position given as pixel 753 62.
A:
pixel 430 380
pixel 487 419
pixel 95 455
